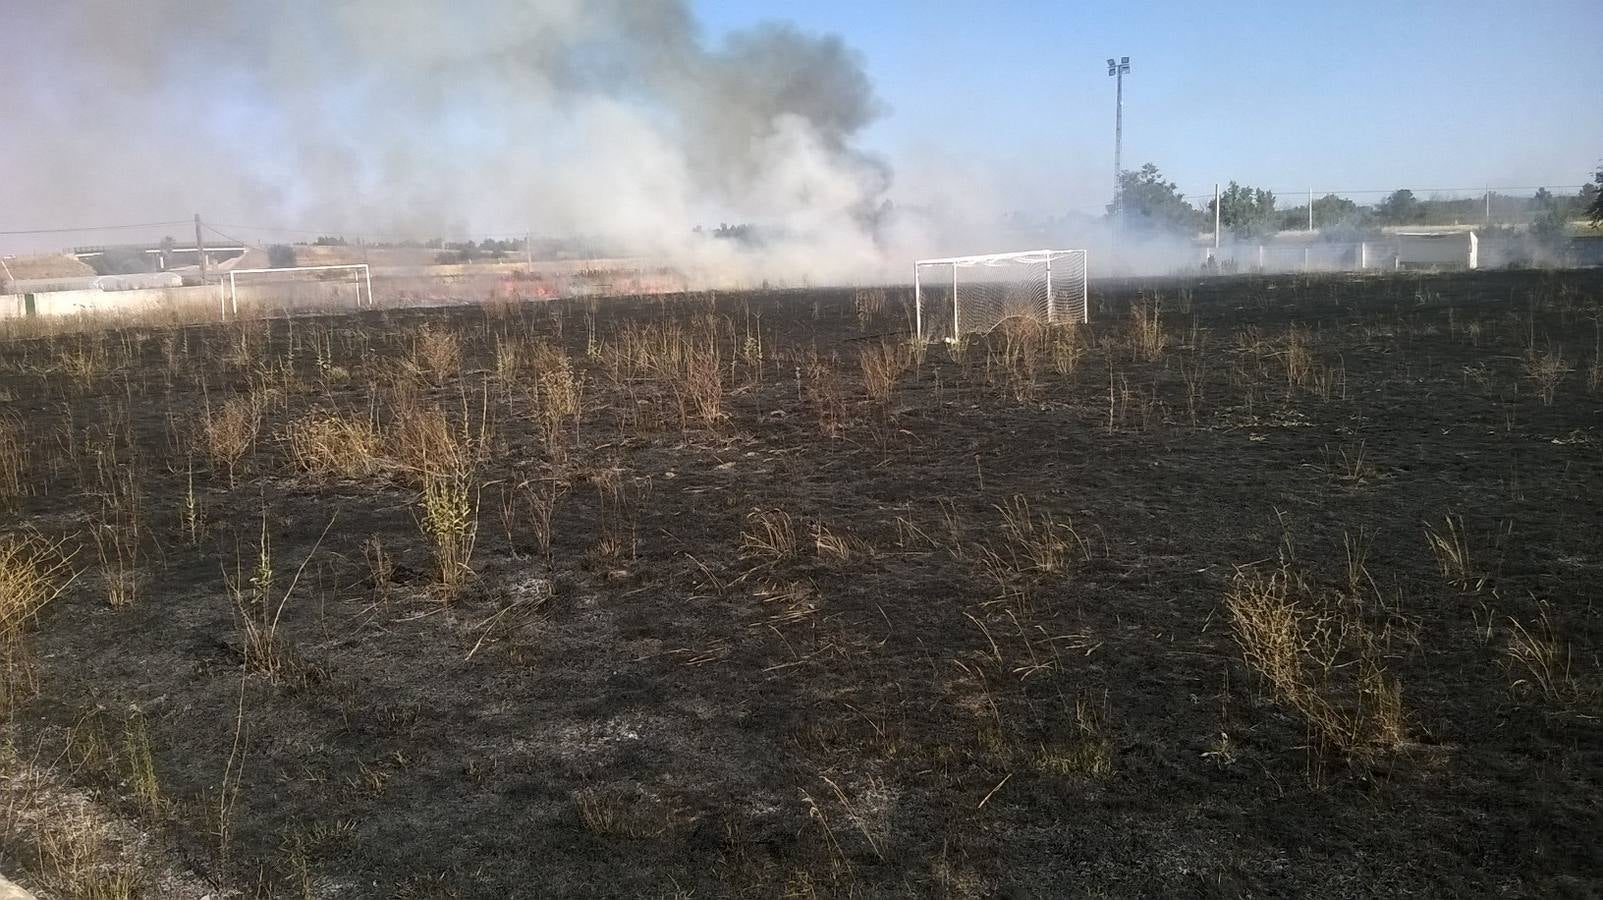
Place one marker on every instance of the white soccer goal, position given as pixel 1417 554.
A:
pixel 299 287
pixel 961 295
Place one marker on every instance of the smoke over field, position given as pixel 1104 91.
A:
pixel 616 120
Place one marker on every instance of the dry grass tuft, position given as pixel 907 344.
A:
pixel 1088 753
pixel 1450 546
pixel 1147 337
pixel 560 393
pixel 259 608
pixel 1039 541
pixel 437 352
pixel 230 432
pixel 1319 660
pixel 626 812
pixel 1297 357
pixel 33 572
pixel 770 535
pixel 1538 659
pixel 79 863
pixel 818 385
pixel 117 529
pixel 333 445
pixel 1547 370
pixel 450 518
pixel 883 365
pixel 13 464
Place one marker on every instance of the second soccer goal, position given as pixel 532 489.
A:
pixel 960 295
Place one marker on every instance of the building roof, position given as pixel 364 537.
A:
pixel 52 266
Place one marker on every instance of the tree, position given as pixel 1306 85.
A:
pixel 1550 217
pixel 119 261
pixel 1152 204
pixel 1333 210
pixel 1594 204
pixel 1247 211
pixel 281 256
pixel 1400 208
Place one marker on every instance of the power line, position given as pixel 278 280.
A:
pixel 341 232
pixel 93 228
pixel 1476 191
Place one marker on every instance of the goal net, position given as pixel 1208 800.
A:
pixel 296 289
pixel 962 295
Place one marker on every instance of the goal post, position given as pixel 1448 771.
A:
pixel 959 295
pixel 302 286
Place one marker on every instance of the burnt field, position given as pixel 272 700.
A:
pixel 1252 586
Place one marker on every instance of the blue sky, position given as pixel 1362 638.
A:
pixel 1346 96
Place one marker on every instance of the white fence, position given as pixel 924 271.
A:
pixel 1454 250
pixel 395 287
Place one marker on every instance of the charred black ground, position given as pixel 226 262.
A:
pixel 969 638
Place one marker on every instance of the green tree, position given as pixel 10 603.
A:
pixel 1594 202
pixel 1154 205
pixel 1400 208
pixel 1247 211
pixel 1550 217
pixel 1333 210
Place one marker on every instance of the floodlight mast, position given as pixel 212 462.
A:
pixel 1117 70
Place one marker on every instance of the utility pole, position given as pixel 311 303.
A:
pixel 1488 207
pixel 200 249
pixel 1118 70
pixel 1216 219
pixel 1310 209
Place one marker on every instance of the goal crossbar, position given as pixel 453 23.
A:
pixel 1047 285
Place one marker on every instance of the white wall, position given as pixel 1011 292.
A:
pixel 200 301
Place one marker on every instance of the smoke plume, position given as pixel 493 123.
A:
pixel 616 120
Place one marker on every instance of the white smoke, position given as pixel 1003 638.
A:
pixel 614 120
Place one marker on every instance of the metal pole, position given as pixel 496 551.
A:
pixel 200 248
pixel 1051 302
pixel 955 332
pixel 367 275
pixel 1216 219
pixel 1488 207
pixel 1117 68
pixel 918 306
pixel 1085 294
pixel 1310 209
pixel 230 298
pixel 1118 151
pixel 528 250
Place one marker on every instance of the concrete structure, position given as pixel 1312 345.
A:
pixel 1439 250
pixel 198 302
